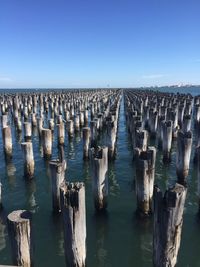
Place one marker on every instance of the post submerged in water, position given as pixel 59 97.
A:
pixel 20 234
pixel 99 179
pixel 72 198
pixel 168 221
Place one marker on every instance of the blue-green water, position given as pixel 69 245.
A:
pixel 115 239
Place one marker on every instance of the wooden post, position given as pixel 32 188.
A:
pixel 57 173
pixel 184 147
pixel 29 163
pixel 77 122
pixel 93 128
pixel 7 141
pixel 186 123
pixel 86 142
pixel 168 220
pixel 47 142
pixel 4 121
pixel 145 175
pixel 72 198
pixel 167 140
pixel 198 172
pixel 70 128
pixel 61 133
pixel 99 178
pixel 34 119
pixel 20 233
pixel 111 138
pixel 141 141
pixel 27 131
pixel 51 124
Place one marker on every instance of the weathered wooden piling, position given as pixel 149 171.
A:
pixel 51 124
pixel 145 175
pixel 72 197
pixel 34 119
pixel 57 173
pixel 61 133
pixel 27 131
pixel 167 140
pixel 86 142
pixel 99 179
pixel 184 146
pixel 29 164
pixel 168 220
pixel 20 234
pixel 7 141
pixel 111 138
pixel 70 128
pixel 186 125
pixel 47 142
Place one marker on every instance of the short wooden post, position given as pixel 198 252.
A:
pixel 145 175
pixel 7 141
pixel 72 198
pixel 184 147
pixel 47 142
pixel 57 173
pixel 86 142
pixel 20 233
pixel 168 220
pixel 99 178
pixel 29 163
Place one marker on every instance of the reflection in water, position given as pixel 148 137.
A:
pixel 34 131
pixel 86 170
pixel 19 137
pixel 59 235
pixel 11 172
pixel 30 194
pixel 144 228
pixel 78 137
pixel 2 231
pixel 71 149
pixel 101 230
pixel 113 184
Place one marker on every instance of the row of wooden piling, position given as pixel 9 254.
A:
pixel 163 117
pixel 92 113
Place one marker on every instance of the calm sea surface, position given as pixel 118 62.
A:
pixel 115 239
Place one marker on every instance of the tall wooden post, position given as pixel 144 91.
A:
pixel 47 142
pixel 168 220
pixel 86 142
pixel 29 163
pixel 72 198
pixel 20 233
pixel 99 178
pixel 7 141
pixel 145 175
pixel 167 140
pixel 57 173
pixel 184 146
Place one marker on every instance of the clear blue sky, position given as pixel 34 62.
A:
pixel 81 43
